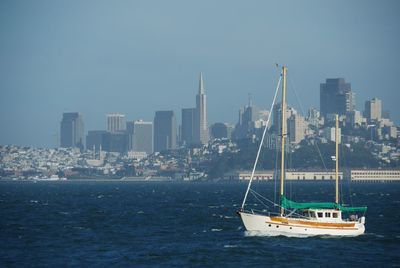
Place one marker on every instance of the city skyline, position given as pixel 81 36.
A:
pixel 119 133
pixel 137 136
pixel 138 58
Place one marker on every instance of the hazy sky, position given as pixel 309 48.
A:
pixel 136 57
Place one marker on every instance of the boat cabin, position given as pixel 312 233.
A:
pixel 325 215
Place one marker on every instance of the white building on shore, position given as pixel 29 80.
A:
pixel 356 175
pixel 375 175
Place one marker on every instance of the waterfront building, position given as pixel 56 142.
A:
pixel 115 123
pixel 336 97
pixel 268 175
pixel 187 126
pixel 312 175
pixel 164 131
pixel 72 131
pixel 201 126
pixel 242 175
pixel 377 175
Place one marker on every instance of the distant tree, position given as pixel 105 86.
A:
pixel 307 156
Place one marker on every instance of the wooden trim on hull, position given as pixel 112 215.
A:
pixel 312 224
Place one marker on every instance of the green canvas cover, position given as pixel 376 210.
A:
pixel 288 204
pixel 353 209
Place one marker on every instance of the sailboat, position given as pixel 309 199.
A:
pixel 302 219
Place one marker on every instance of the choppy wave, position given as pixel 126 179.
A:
pixel 170 225
pixel 230 246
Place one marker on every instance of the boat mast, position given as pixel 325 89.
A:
pixel 337 158
pixel 261 143
pixel 283 108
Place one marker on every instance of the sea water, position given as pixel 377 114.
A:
pixel 135 224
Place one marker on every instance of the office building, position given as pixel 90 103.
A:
pixel 187 127
pixel 201 127
pixel 94 139
pixel 336 97
pixel 277 116
pixel 115 142
pixel 116 123
pixel 129 130
pixel 164 131
pixel 251 120
pixel 330 134
pixel 72 131
pixel 142 138
pixel 373 110
pixel 355 118
pixel 314 118
pixel 297 128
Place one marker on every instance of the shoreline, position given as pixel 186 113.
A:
pixel 168 180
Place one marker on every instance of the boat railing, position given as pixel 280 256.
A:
pixel 260 212
pixel 353 218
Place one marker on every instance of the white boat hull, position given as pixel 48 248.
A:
pixel 265 225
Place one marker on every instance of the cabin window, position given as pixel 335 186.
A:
pixel 327 214
pixel 315 177
pixel 312 214
pixel 320 214
pixel 323 177
pixel 334 215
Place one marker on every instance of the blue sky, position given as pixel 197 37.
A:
pixel 136 57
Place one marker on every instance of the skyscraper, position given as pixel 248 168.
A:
pixel 187 127
pixel 200 127
pixel 129 130
pixel 116 123
pixel 247 117
pixel 313 117
pixel 277 116
pixel 296 128
pixel 373 109
pixel 95 139
pixel 336 97
pixel 164 131
pixel 142 140
pixel 116 142
pixel 72 130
